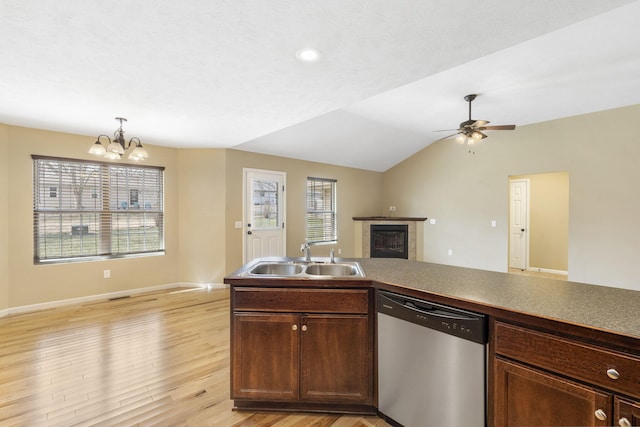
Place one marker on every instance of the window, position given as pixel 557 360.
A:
pixel 321 210
pixel 100 210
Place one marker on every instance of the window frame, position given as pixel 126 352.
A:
pixel 108 240
pixel 328 235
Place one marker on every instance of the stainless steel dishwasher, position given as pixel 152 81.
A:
pixel 432 362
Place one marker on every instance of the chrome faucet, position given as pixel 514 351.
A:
pixel 332 258
pixel 306 248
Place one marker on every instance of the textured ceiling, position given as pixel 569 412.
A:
pixel 224 73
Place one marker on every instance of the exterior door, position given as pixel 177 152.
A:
pixel 518 223
pixel 264 208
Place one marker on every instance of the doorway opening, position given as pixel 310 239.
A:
pixel 539 224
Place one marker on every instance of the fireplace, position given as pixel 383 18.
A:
pixel 389 241
pixel 413 245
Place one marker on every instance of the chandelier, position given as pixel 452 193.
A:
pixel 115 148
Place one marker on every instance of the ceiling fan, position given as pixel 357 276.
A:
pixel 471 131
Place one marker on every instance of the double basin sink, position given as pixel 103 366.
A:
pixel 305 269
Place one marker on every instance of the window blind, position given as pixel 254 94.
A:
pixel 84 210
pixel 321 210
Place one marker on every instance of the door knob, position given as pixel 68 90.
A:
pixel 249 232
pixel 294 327
pixel 522 229
pixel 304 328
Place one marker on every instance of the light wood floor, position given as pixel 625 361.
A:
pixel 160 358
pixel 538 274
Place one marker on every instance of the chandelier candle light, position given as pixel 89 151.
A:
pixel 116 147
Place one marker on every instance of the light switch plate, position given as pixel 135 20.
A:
pixel 238 224
pixel 432 221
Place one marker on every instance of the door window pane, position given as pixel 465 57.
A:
pixel 265 204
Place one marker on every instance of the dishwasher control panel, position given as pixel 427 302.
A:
pixel 453 321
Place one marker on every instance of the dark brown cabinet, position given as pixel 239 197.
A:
pixel 528 397
pixel 302 349
pixel 545 380
pixel 265 356
pixel 627 412
pixel 334 358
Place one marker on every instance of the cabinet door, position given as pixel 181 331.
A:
pixel 528 397
pixel 335 359
pixel 627 413
pixel 265 351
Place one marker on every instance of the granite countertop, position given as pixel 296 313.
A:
pixel 602 308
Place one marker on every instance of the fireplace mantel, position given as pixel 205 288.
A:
pixel 387 218
pixel 362 235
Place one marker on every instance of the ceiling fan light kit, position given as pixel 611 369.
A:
pixel 471 131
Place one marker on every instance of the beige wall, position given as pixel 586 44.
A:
pixel 4 218
pixel 203 199
pixel 201 204
pixel 33 284
pixel 358 191
pixel 464 192
pixel 548 220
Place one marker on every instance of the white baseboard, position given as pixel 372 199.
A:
pixel 110 295
pixel 548 270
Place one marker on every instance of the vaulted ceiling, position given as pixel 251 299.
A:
pixel 224 73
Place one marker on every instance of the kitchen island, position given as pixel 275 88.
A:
pixel 562 343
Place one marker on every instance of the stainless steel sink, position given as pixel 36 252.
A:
pixel 305 270
pixel 334 270
pixel 277 269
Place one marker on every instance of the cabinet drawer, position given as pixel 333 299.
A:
pixel 592 364
pixel 354 301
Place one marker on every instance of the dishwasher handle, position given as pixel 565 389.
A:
pixel 437 312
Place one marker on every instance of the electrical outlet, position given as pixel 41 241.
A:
pixel 450 251
pixel 493 223
pixel 339 251
pixel 392 208
pixel 106 274
pixel 432 221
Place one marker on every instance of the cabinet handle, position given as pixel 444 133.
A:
pixel 613 374
pixel 624 422
pixel 304 328
pixel 294 327
pixel 601 415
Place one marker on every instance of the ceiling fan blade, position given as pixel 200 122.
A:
pixel 499 127
pixel 479 123
pixel 447 137
pixel 445 130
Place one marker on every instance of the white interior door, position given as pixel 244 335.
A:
pixel 518 223
pixel 264 219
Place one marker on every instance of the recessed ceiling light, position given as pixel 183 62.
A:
pixel 309 54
